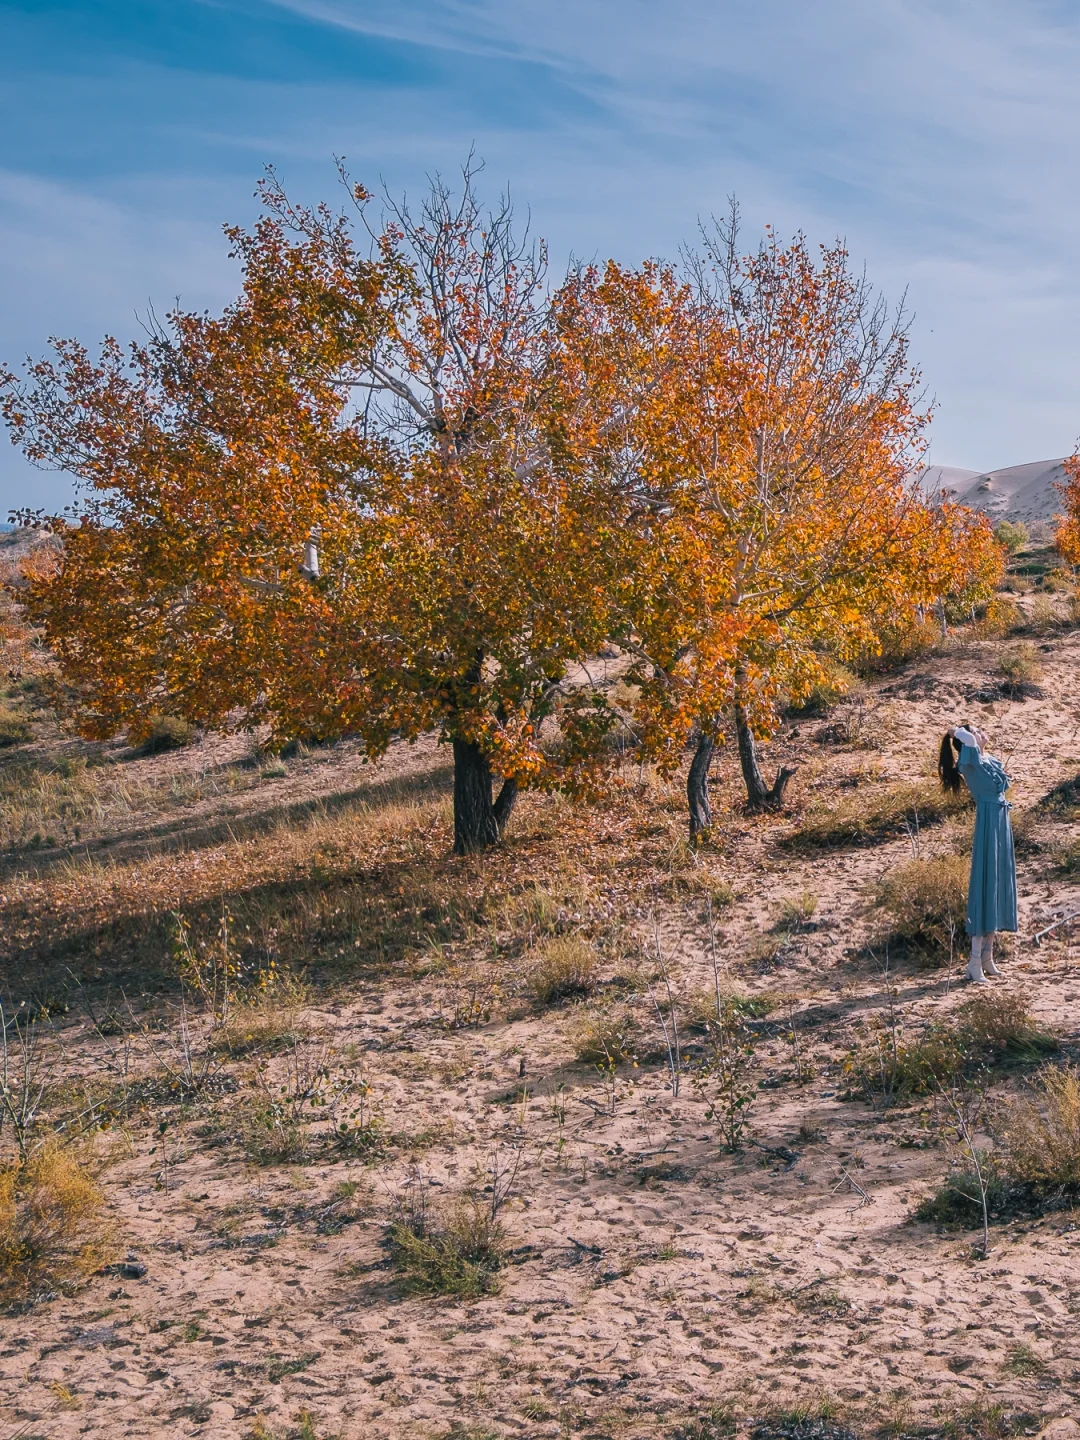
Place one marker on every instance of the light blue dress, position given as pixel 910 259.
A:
pixel 992 889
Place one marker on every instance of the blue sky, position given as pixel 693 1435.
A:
pixel 939 137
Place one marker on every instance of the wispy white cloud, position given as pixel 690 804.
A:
pixel 938 136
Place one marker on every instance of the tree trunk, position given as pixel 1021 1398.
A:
pixel 697 787
pixel 478 821
pixel 759 796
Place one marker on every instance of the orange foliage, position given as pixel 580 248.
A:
pixel 1067 535
pixel 765 424
pixel 398 407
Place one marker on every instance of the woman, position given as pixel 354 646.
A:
pixel 991 902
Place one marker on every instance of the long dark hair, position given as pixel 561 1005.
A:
pixel 946 764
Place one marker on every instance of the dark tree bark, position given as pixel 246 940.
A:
pixel 759 796
pixel 697 787
pixel 478 820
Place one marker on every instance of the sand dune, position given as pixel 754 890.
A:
pixel 1018 492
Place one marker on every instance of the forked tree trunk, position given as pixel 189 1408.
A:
pixel 759 796
pixel 697 787
pixel 478 820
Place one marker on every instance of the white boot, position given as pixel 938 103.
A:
pixel 975 965
pixel 989 968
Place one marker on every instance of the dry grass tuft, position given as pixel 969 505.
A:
pixel 53 1230
pixel 1041 1133
pixel 606 1038
pixel 926 902
pixel 1020 670
pixel 563 968
pixel 457 1253
pixel 168 732
pixel 869 815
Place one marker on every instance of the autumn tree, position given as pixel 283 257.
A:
pixel 771 421
pixel 348 505
pixel 1067 534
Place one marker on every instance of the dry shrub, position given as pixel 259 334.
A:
pixel 1067 858
pixel 457 1253
pixel 168 732
pixel 861 722
pixel 1058 581
pixel 606 1039
pixel 564 968
pixel 699 1008
pixel 1001 617
pixel 1041 1132
pixel 997 1025
pixel 1042 616
pixel 53 1231
pixel 926 902
pixel 1019 667
pixel 1063 800
pixel 908 639
pixel 869 815
pixel 14 729
pixel 266 1019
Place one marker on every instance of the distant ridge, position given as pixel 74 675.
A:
pixel 1019 492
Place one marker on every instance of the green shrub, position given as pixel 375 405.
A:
pixel 1013 534
pixel 460 1253
pixel 926 903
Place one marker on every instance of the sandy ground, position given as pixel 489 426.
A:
pixel 650 1273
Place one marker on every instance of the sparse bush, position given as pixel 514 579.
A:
pixel 53 1230
pixel 1067 858
pixel 699 1007
pixel 1020 669
pixel 725 1078
pixel 869 815
pixel 1041 1133
pixel 888 1068
pixel 459 1252
pixel 997 1025
pixel 1063 800
pixel 168 732
pixel 926 902
pixel 606 1038
pixel 796 910
pixel 1058 581
pixel 1043 617
pixel 1001 617
pixel 1013 534
pixel 564 968
pixel 310 1110
pixel 862 722
pixel 14 729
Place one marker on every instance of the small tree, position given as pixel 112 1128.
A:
pixel 1067 534
pixel 768 421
